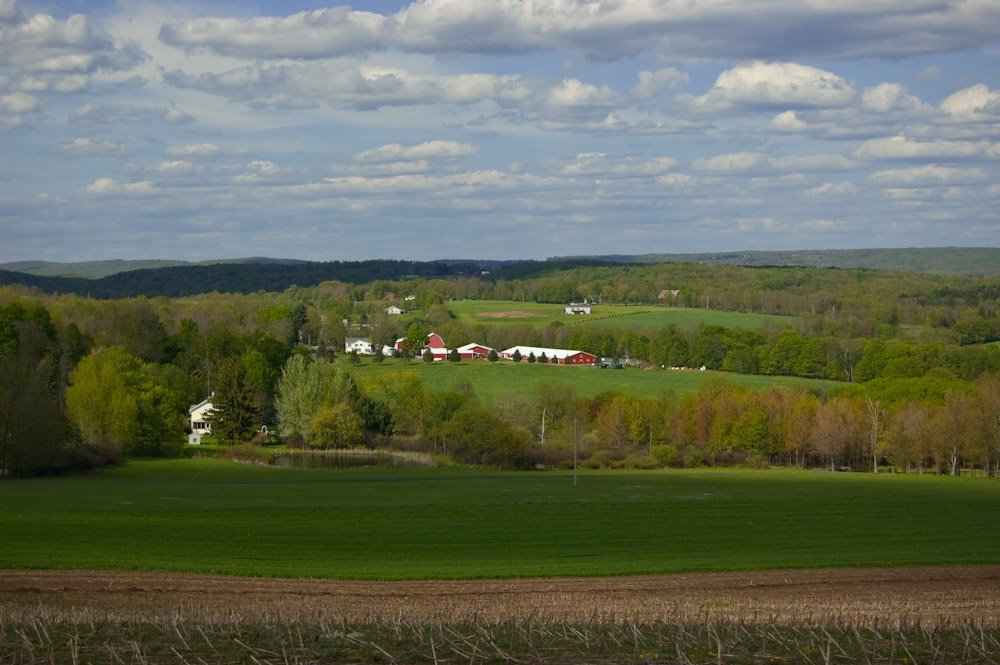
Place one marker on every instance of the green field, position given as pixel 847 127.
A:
pixel 505 312
pixel 490 380
pixel 205 515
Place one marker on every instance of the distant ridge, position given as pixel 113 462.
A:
pixel 945 260
pixel 99 269
pixel 248 275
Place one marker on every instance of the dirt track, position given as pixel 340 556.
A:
pixel 925 593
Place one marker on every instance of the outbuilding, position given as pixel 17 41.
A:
pixel 474 351
pixel 558 356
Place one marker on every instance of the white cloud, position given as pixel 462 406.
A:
pixel 974 104
pixel 842 189
pixel 195 151
pixel 92 114
pixel 394 152
pixel 43 43
pixel 787 121
pixel 174 167
pixel 109 187
pixel 736 162
pixel 653 84
pixel 323 33
pixel 930 174
pixel 776 29
pixel 599 164
pixel 10 11
pixel 349 85
pixel 774 84
pixel 18 102
pixel 83 146
pixel 891 98
pixel 820 162
pixel 900 147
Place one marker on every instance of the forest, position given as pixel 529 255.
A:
pixel 911 359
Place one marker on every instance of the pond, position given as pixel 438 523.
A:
pixel 344 460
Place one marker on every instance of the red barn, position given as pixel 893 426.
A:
pixel 473 351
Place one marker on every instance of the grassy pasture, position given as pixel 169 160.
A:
pixel 504 312
pixel 490 380
pixel 205 515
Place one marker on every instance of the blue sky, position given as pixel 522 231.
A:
pixel 495 128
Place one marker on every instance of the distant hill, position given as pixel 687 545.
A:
pixel 99 269
pixel 949 260
pixel 251 275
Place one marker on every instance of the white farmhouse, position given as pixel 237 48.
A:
pixel 198 420
pixel 362 345
pixel 393 310
pixel 577 308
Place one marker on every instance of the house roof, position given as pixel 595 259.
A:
pixel 539 350
pixel 352 340
pixel 472 346
pixel 195 407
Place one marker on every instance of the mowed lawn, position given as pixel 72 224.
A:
pixel 206 515
pixel 504 312
pixel 490 380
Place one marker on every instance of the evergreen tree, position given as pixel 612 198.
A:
pixel 493 357
pixel 235 415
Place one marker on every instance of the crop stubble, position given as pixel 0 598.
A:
pixel 930 593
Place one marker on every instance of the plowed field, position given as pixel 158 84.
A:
pixel 863 594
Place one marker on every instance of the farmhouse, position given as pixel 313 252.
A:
pixel 362 345
pixel 560 356
pixel 198 420
pixel 577 308
pixel 393 310
pixel 473 351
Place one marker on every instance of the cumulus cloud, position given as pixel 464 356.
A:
pixel 18 102
pixel 891 98
pixel 323 33
pixel 195 151
pixel 349 85
pixel 653 84
pixel 10 11
pixel 777 29
pixel 842 189
pixel 109 187
pixel 900 147
pixel 736 162
pixel 93 114
pixel 601 165
pixel 174 167
pixel 774 84
pixel 394 152
pixel 974 104
pixel 45 44
pixel 930 174
pixel 820 162
pixel 83 146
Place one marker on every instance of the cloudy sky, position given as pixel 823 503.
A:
pixel 495 128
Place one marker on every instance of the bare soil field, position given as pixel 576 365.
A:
pixel 513 314
pixel 932 593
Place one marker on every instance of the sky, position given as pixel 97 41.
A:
pixel 495 128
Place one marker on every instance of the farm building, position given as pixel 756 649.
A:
pixel 577 308
pixel 434 342
pixel 393 310
pixel 198 420
pixel 560 356
pixel 362 345
pixel 473 351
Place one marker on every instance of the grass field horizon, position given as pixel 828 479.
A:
pixel 492 380
pixel 214 516
pixel 510 312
